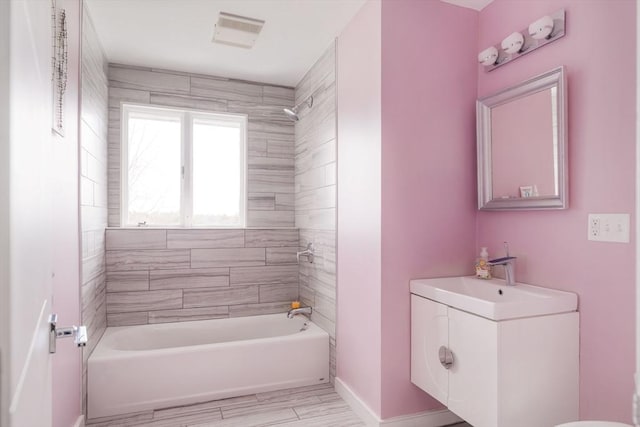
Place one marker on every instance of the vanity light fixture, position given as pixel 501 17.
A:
pixel 542 28
pixel 545 30
pixel 488 56
pixel 513 43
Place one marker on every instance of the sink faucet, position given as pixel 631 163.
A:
pixel 301 310
pixel 508 263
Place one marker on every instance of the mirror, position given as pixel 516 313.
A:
pixel 522 145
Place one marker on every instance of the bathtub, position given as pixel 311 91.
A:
pixel 138 368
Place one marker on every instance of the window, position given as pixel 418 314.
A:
pixel 182 168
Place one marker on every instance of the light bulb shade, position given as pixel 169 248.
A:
pixel 542 28
pixel 513 43
pixel 488 56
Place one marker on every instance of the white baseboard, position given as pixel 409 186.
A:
pixel 79 422
pixel 438 418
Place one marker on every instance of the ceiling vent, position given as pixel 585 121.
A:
pixel 235 30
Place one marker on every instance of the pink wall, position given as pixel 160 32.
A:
pixel 428 170
pixel 358 262
pixel 552 246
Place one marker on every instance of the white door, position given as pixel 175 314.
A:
pixel 31 211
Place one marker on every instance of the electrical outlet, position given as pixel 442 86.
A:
pixel 594 227
pixel 608 228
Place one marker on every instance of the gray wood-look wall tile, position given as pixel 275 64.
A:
pixel 123 302
pixel 189 278
pixel 278 292
pixel 270 274
pixel 242 310
pixel 223 296
pixel 131 78
pixel 282 256
pixel 280 96
pixel 204 258
pixel 261 201
pixel 271 238
pixel 270 218
pixel 188 314
pixel 92 267
pixel 195 238
pixel 257 147
pixel 267 181
pixel 118 95
pixel 315 191
pixel 125 281
pixel 229 90
pixel 127 319
pixel 190 102
pixel 147 259
pixel 136 239
pixel 285 202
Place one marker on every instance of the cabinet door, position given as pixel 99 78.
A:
pixel 473 386
pixel 429 331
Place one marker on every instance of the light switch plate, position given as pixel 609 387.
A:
pixel 608 227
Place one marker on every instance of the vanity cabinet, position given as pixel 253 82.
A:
pixel 518 372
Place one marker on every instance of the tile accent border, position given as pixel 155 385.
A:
pixel 437 418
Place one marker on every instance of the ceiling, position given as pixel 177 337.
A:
pixel 471 4
pixel 176 35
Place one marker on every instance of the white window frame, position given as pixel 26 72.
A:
pixel 187 117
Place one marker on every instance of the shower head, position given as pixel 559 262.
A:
pixel 292 113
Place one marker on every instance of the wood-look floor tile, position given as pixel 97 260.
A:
pixel 266 418
pixel 296 393
pixel 321 409
pixel 333 420
pixel 244 409
pixel 121 420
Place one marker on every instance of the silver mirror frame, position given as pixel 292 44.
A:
pixel 554 78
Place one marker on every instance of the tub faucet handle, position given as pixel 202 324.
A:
pixel 308 252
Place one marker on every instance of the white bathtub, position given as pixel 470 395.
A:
pixel 137 368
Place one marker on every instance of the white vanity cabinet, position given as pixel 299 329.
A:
pixel 519 372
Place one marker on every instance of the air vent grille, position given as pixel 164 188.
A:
pixel 236 30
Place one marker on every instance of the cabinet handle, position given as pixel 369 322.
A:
pixel 446 357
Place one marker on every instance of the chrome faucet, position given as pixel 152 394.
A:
pixel 301 310
pixel 508 263
pixel 309 252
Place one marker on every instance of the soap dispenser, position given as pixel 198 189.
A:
pixel 483 269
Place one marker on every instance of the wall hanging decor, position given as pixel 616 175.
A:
pixel 59 59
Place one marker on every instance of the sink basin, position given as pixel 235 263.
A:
pixel 493 299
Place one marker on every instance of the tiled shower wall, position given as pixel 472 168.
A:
pixel 158 276
pixel 168 275
pixel 315 192
pixel 270 172
pixel 93 182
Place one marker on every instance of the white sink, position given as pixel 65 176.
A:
pixel 493 299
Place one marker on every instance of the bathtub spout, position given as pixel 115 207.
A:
pixel 301 310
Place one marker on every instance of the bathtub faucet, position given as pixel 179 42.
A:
pixel 301 310
pixel 309 253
